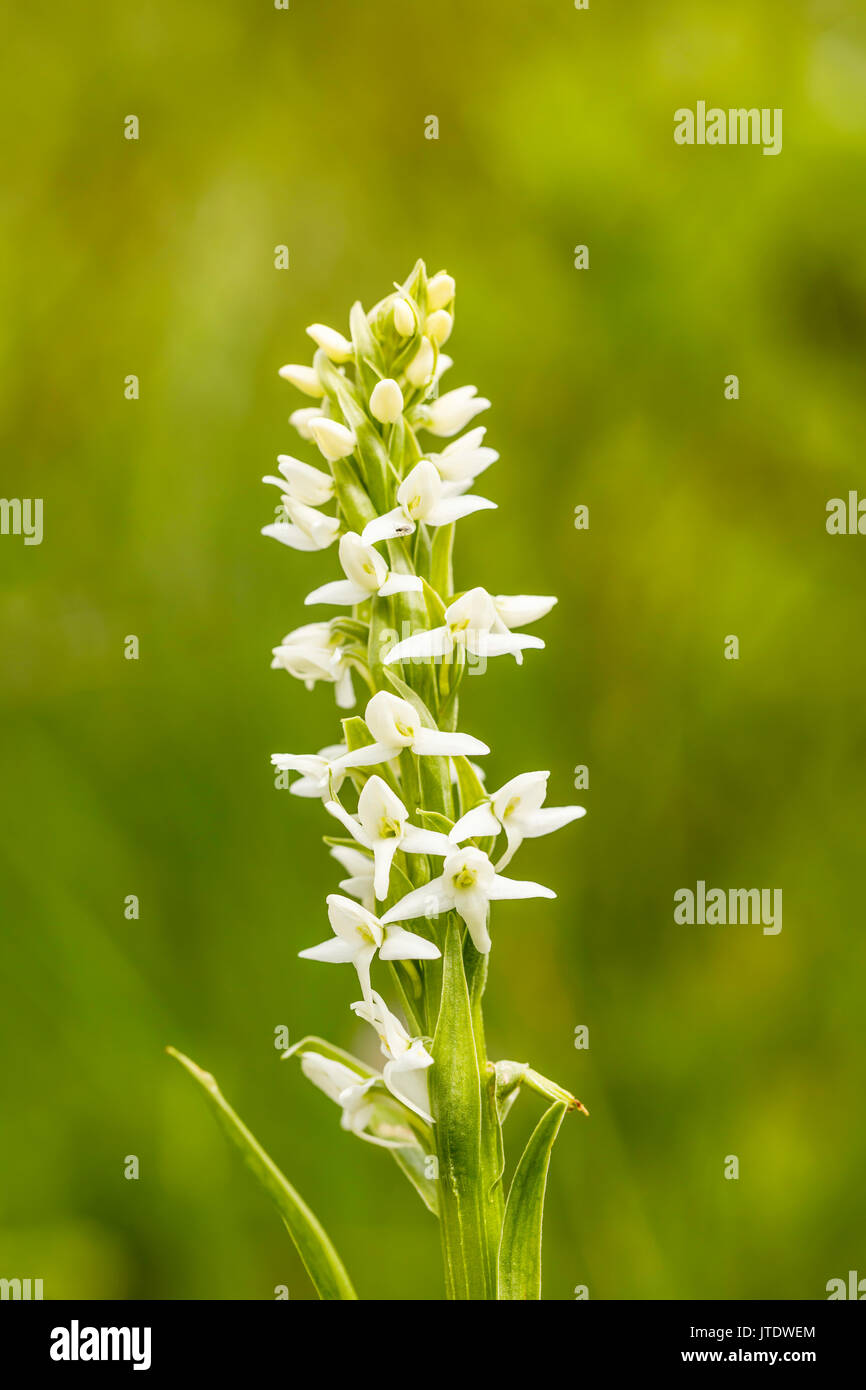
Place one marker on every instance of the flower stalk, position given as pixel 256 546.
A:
pixel 422 842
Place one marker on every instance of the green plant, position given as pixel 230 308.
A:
pixel 422 839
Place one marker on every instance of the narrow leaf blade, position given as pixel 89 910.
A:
pixel 520 1248
pixel 319 1257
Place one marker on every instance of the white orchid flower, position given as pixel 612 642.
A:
pixel 334 344
pixel 438 326
pixel 367 1113
pixel 306 528
pixel 465 458
pixel 407 1057
pixel 517 809
pixel 361 873
pixel 335 441
pixel 404 317
pixel 420 369
pixel 301 419
pixel 468 885
pixel 359 934
pixel 306 379
pixel 386 401
pixel 395 725
pixel 301 482
pixel 518 610
pixel 440 290
pixel 310 654
pixel 452 412
pixel 366 574
pixel 382 825
pixel 422 496
pixel 319 775
pixel 470 623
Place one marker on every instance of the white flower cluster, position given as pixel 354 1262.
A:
pixel 395 508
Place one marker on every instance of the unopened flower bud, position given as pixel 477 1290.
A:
pixel 420 369
pixel 305 378
pixel 334 440
pixel 439 325
pixel 386 401
pixel 440 291
pixel 404 317
pixel 334 344
pixel 300 419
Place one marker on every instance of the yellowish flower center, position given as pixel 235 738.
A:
pixel 465 878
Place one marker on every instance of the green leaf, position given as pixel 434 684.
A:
pixel 319 1257
pixel 456 1100
pixel 350 628
pixel 368 359
pixel 440 562
pixel 469 784
pixel 407 693
pixel 520 1248
pixel 433 820
pixel 369 447
pixel 355 733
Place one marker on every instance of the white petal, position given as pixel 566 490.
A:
pixel 388 527
pixel 503 888
pixel 516 610
pixel 473 907
pixel 409 1084
pixel 335 951
pixel 400 944
pixel 289 535
pixel 305 483
pixel 418 841
pixel 548 819
pixel 478 822
pixel 391 719
pixel 368 756
pixel 344 692
pixel 401 584
pixel 352 860
pixel 378 802
pixel 360 888
pixel 383 855
pixel 341 592
pixel 450 509
pixel 342 815
pixel 429 900
pixel 420 490
pixel 435 642
pixel 506 644
pixel 439 743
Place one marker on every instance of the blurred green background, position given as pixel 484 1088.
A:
pixel 261 127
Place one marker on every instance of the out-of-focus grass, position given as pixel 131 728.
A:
pixel 261 127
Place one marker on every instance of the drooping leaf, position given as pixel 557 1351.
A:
pixel 520 1248
pixel 318 1255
